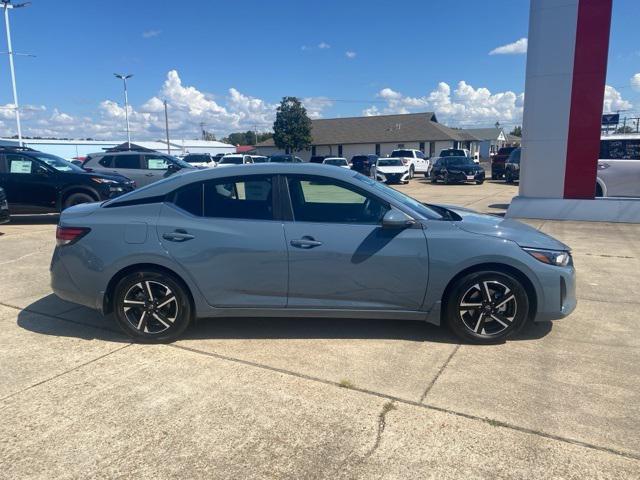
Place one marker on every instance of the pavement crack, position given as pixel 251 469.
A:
pixel 435 379
pixel 382 423
pixel 77 367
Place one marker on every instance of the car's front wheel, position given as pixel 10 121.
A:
pixel 77 199
pixel 152 307
pixel 487 307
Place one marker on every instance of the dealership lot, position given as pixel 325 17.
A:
pixel 312 398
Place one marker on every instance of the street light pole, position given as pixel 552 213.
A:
pixel 7 5
pixel 126 103
pixel 166 126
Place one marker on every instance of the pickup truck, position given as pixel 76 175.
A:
pixel 414 160
pixel 498 161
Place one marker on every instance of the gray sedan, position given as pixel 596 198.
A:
pixel 303 240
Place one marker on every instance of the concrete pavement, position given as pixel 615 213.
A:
pixel 314 398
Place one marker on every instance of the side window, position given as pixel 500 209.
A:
pixel 323 200
pixel 240 197
pixel 420 154
pixel 155 162
pixel 21 164
pixel 189 198
pixel 127 161
pixel 106 161
pixel 248 159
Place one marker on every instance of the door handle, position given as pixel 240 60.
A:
pixel 178 236
pixel 305 242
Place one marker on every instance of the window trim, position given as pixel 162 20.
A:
pixel 287 203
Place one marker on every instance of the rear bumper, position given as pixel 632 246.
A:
pixel 63 285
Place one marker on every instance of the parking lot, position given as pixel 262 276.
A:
pixel 315 398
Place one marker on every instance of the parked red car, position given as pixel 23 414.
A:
pixel 498 161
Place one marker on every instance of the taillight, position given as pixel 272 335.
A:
pixel 69 235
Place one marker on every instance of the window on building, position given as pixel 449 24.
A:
pixel 432 149
pixel 339 150
pixel 422 147
pixel 313 150
pixel 401 145
pixel 377 149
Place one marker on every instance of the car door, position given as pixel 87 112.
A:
pixel 154 167
pixel 29 183
pixel 341 257
pixel 128 165
pixel 422 164
pixel 225 234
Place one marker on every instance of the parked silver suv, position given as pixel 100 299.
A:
pixel 619 166
pixel 142 166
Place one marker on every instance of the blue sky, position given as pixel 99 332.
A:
pixel 228 63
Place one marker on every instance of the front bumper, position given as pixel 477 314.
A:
pixel 559 293
pixel 392 177
pixel 463 177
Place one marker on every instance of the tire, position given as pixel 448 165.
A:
pixel 77 199
pixel 488 319
pixel 412 171
pixel 508 177
pixel 494 176
pixel 479 182
pixel 426 175
pixel 434 180
pixel 446 179
pixel 157 318
pixel 599 190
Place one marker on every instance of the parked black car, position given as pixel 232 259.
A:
pixel 512 167
pixel 4 207
pixel 457 170
pixel 284 159
pixel 37 182
pixel 363 163
pixel 318 158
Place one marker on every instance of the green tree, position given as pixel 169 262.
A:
pixel 292 128
pixel 517 131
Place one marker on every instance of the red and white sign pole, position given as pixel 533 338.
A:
pixel 566 73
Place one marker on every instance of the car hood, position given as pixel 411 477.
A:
pixel 398 169
pixel 499 227
pixel 109 176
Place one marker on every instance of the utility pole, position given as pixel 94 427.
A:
pixel 7 5
pixel 166 126
pixel 202 132
pixel 126 103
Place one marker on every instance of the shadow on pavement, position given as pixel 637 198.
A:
pixel 81 322
pixel 44 219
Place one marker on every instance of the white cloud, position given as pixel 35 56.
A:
pixel 350 54
pixel 466 105
pixel 187 106
pixel 151 33
pixel 518 47
pixel 613 100
pixel 635 82
pixel 323 45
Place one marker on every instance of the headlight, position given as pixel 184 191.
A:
pixel 558 258
pixel 104 180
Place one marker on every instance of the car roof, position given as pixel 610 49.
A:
pixel 169 184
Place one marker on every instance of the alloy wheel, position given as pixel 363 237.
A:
pixel 488 308
pixel 150 307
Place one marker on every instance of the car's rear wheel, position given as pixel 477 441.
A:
pixel 434 179
pixel 487 307
pixel 508 177
pixel 152 307
pixel 77 199
pixel 599 192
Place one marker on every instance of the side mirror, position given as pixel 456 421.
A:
pixel 394 218
pixel 173 168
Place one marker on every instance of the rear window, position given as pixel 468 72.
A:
pixel 506 150
pixel 452 153
pixel 232 160
pixel 196 159
pixel 402 153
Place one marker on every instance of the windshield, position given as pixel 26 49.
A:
pixel 452 153
pixel 259 159
pixel 420 208
pixel 336 161
pixel 232 160
pixel 390 163
pixel 57 163
pixel 402 153
pixel 178 161
pixel 460 162
pixel 196 159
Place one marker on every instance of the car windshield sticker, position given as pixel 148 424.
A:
pixel 20 166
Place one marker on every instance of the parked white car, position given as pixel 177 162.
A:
pixel 336 162
pixel 415 161
pixel 259 158
pixel 200 160
pixel 235 159
pixel 391 170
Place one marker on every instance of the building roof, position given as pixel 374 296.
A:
pixel 245 148
pixel 484 133
pixel 411 127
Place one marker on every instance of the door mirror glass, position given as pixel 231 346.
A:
pixel 394 218
pixel 172 167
